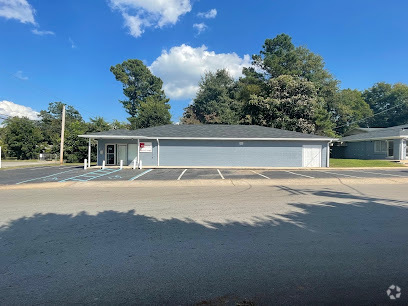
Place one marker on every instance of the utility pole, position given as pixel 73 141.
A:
pixel 62 135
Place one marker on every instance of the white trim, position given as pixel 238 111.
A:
pixel 89 153
pixel 97 152
pixel 138 151
pixel 204 138
pixel 106 154
pixel 373 139
pixel 328 155
pixel 158 152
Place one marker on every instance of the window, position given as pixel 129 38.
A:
pixel 380 146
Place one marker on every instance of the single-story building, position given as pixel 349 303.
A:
pixel 212 146
pixel 376 143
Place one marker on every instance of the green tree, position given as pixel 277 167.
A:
pixel 117 125
pixel 138 85
pixel 389 104
pixel 279 56
pixel 215 101
pixel 350 110
pixel 290 105
pixel 23 138
pixel 75 148
pixel 98 124
pixel 153 112
pixel 3 143
pixel 50 123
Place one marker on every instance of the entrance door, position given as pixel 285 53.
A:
pixel 312 156
pixel 132 153
pixel 122 154
pixel 110 154
pixel 390 150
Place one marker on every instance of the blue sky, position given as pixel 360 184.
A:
pixel 62 50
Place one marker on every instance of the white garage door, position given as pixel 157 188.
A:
pixel 312 156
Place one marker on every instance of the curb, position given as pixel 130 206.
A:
pixel 205 183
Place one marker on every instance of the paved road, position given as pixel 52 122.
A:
pixel 46 174
pixel 270 244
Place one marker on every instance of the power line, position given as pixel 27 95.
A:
pixel 369 117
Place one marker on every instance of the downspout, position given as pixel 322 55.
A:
pixel 138 153
pixel 97 152
pixel 158 152
pixel 328 154
pixel 89 153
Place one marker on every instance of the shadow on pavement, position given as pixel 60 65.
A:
pixel 328 252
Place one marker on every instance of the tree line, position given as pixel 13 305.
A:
pixel 287 87
pixel 23 138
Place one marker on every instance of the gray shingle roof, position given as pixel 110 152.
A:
pixel 206 131
pixel 399 131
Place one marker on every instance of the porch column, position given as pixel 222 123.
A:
pixel 328 155
pixel 158 152
pixel 89 152
pixel 401 154
pixel 138 153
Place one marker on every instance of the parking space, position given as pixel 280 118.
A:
pixel 239 174
pixel 201 174
pixel 162 174
pixel 78 174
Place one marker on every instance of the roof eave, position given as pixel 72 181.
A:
pixel 205 138
pixel 374 138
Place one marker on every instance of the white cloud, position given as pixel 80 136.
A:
pixel 142 14
pixel 19 75
pixel 15 110
pixel 73 45
pixel 209 15
pixel 17 9
pixel 200 27
pixel 181 68
pixel 42 33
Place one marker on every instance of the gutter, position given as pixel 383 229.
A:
pixel 203 138
pixel 371 139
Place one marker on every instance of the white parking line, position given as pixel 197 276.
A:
pixel 42 177
pixel 141 174
pixel 381 173
pixel 37 168
pixel 219 172
pixel 300 174
pixel 182 174
pixel 334 173
pixel 261 174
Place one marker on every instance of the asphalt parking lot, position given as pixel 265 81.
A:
pixel 46 174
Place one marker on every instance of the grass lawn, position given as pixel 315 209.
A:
pixel 19 160
pixel 345 163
